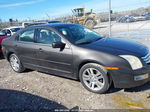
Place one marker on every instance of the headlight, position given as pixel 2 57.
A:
pixel 133 61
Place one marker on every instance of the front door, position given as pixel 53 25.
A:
pixel 54 60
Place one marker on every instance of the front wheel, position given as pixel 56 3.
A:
pixel 94 78
pixel 16 63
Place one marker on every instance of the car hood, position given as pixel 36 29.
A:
pixel 119 46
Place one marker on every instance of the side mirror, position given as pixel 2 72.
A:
pixel 58 45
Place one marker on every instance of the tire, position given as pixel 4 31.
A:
pixel 15 63
pixel 94 78
pixel 90 23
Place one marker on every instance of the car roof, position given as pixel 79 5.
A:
pixel 53 25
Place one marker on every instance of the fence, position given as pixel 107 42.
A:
pixel 129 24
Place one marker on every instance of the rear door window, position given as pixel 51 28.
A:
pixel 27 36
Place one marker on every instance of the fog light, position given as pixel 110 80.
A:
pixel 141 77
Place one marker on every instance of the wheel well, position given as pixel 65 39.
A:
pixel 108 73
pixel 86 62
pixel 9 55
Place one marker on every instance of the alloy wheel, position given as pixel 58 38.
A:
pixel 93 79
pixel 14 63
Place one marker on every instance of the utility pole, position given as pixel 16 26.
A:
pixel 110 11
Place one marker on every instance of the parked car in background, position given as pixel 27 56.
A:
pixel 3 35
pixel 73 51
pixel 146 15
pixel 126 19
pixel 11 30
pixel 107 19
pixel 140 18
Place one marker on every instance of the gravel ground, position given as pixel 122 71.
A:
pixel 34 90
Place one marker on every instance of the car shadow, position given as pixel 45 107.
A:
pixel 28 70
pixel 135 89
pixel 139 89
pixel 17 101
pixel 112 89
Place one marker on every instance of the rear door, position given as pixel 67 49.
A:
pixel 54 60
pixel 26 48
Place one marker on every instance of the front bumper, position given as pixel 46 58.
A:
pixel 126 79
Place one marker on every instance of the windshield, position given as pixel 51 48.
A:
pixel 77 34
pixel 15 29
pixel 78 12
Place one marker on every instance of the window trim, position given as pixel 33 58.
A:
pixel 63 39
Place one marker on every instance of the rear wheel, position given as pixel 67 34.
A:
pixel 16 63
pixel 94 78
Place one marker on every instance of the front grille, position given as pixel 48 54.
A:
pixel 146 58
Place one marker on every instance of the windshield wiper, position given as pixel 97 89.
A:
pixel 90 41
pixel 97 39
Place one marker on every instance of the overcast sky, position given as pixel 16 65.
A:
pixel 39 9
